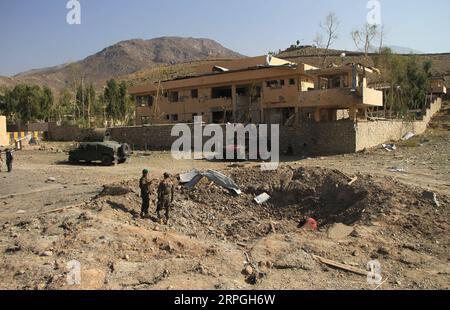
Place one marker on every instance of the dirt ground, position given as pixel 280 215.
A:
pixel 217 240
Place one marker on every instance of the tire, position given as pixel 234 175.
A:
pixel 72 160
pixel 122 161
pixel 124 150
pixel 107 160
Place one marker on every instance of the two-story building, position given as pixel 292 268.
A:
pixel 257 90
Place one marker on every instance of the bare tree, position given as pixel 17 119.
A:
pixel 318 42
pixel 363 38
pixel 330 28
pixel 381 34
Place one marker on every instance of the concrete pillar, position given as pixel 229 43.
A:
pixel 234 99
pixel 352 113
pixel 297 116
pixel 317 115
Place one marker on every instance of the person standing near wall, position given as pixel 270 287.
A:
pixel 145 193
pixel 9 160
pixel 1 161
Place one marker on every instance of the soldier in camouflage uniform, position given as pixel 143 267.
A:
pixel 165 197
pixel 145 193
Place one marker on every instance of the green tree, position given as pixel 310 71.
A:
pixel 46 104
pixel 111 97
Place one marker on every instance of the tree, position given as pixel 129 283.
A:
pixel 111 97
pixel 90 102
pixel 65 105
pixel 409 81
pixel 47 102
pixel 330 28
pixel 363 38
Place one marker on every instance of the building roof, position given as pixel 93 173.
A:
pixel 235 71
pixel 334 70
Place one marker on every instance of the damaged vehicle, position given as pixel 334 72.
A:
pixel 108 153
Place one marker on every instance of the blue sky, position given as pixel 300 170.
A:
pixel 34 34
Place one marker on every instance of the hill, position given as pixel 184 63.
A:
pixel 314 56
pixel 124 58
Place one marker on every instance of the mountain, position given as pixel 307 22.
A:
pixel 125 58
pixel 404 50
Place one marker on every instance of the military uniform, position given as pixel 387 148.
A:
pixel 165 198
pixel 145 195
pixel 9 160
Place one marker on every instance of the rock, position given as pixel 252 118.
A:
pixel 296 260
pixel 383 251
pixel 248 270
pixel 339 231
pixel 13 249
pixel 126 257
pixel 47 253
pixel 51 179
pixel 431 196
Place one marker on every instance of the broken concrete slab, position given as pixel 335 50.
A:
pixel 262 198
pixel 296 260
pixel 339 231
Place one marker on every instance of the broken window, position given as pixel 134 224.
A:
pixel 173 96
pixel 194 93
pixel 274 84
pixel 174 117
pixel 221 92
pixel 291 81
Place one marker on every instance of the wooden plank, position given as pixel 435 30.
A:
pixel 334 264
pixel 80 205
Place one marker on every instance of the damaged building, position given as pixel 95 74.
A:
pixel 259 90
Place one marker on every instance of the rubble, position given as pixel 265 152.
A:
pixel 339 231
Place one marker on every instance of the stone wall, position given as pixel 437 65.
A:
pixel 309 138
pixel 370 134
pixel 4 138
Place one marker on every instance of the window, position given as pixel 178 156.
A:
pixel 174 117
pixel 145 120
pixel 291 81
pixel 168 117
pixel 221 92
pixel 194 93
pixel 274 84
pixel 173 96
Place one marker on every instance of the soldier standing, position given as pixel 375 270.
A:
pixel 145 193
pixel 9 160
pixel 165 197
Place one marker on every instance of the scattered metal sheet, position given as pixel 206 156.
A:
pixel 222 180
pixel 191 179
pixel 389 147
pixel 408 136
pixel 262 198
pixel 396 169
pixel 187 177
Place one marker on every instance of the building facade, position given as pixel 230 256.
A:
pixel 259 90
